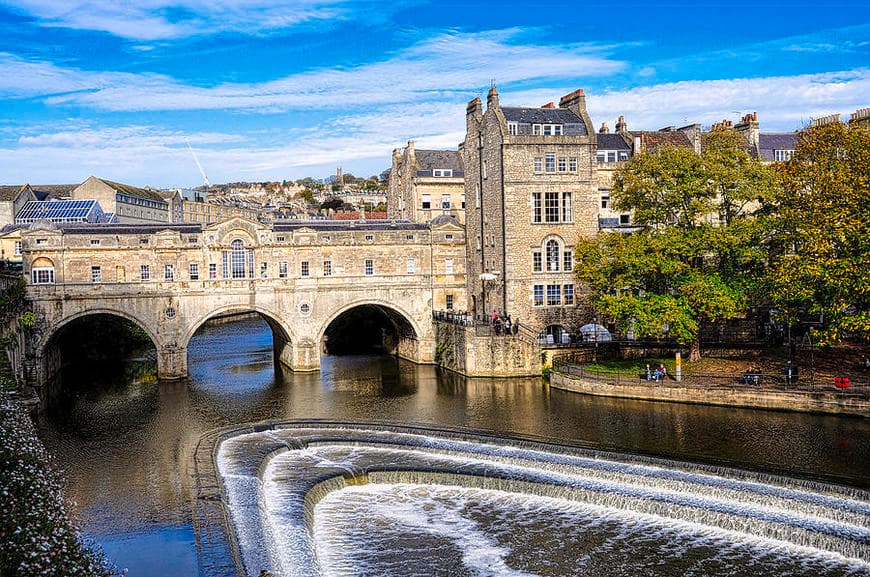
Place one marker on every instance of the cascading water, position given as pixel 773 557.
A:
pixel 307 499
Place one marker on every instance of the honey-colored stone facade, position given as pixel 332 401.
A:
pixel 506 175
pixel 171 279
pixel 425 184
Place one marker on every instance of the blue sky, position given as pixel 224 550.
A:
pixel 280 90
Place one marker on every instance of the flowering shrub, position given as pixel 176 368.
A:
pixel 36 534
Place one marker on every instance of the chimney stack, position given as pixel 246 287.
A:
pixel 492 98
pixel 603 129
pixel 621 125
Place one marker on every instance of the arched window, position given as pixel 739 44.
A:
pixel 238 262
pixel 553 252
pixel 237 258
pixel 42 271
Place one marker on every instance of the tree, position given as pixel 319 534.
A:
pixel 820 232
pixel 698 255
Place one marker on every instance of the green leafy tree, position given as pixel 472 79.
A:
pixel 821 232
pixel 698 254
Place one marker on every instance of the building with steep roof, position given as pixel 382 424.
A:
pixel 12 199
pixel 129 204
pixel 424 184
pixel 531 190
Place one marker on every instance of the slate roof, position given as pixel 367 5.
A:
pixel 332 225
pixel 431 159
pixel 131 190
pixel 768 142
pixel 541 115
pixel 191 228
pixel 612 142
pixel 52 191
pixel 9 192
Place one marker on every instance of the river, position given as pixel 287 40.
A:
pixel 126 444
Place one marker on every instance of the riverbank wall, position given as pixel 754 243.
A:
pixel 477 351
pixel 817 401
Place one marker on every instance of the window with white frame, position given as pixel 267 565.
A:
pixel 550 162
pixel 605 199
pixel 537 261
pixel 42 275
pixel 305 271
pixel 369 267
pixel 237 258
pixel 193 270
pixel 327 268
pixel 539 165
pixel 426 200
pixel 445 172
pixel 448 266
pixel 783 155
pixel 553 252
pixel 282 269
pixel 513 128
pixel 554 295
pixel 567 208
pixel 445 201
pixel 462 200
pixel 552 129
pixel 96 274
pixel 144 272
pixel 537 215
pixel 536 129
pixel 551 207
pixel 572 164
pixel 17 248
pixel 264 270
pixel 448 301
pixel 568 295
pixel 212 270
pixel 538 295
pixel 169 272
pixel 568 261
pixel 412 266
pixel 563 164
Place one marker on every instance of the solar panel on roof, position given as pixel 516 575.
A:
pixel 58 211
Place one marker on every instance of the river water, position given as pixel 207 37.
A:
pixel 126 445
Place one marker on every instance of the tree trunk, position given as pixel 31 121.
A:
pixel 695 350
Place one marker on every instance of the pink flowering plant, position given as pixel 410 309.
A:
pixel 36 534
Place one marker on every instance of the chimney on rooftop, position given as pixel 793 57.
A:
pixel 492 98
pixel 621 125
pixel 603 129
pixel 549 105
pixel 748 128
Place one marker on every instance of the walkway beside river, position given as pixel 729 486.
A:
pixel 723 390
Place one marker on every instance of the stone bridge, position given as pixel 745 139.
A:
pixel 300 277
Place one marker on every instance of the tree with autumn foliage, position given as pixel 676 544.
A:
pixel 820 232
pixel 699 251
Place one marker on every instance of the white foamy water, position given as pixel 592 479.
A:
pixel 356 501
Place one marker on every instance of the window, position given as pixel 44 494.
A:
pixel 282 269
pixel 143 241
pixel 536 129
pixel 550 162
pixel 445 201
pixel 536 207
pixel 41 241
pixel 412 266
pixel 448 237
pixel 370 237
pixel 327 268
pixel 539 165
pixel 304 268
pixel 95 242
pixel 427 201
pixel 17 248
pixel 624 219
pixel 448 302
pixel 551 207
pixel 538 295
pixel 409 237
pixel 448 266
pixel 537 261
pixel 568 261
pixel 553 252
pixel 563 164
pixel 568 295
pixel 144 272
pixel 237 259
pixel 370 267
pixel 326 238
pixel 572 164
pixel 193 271
pixel 42 275
pixel 264 270
pixel 462 201
pixel 554 295
pixel 782 155
pixel 605 199
pixel 442 172
pixel 212 270
pixel 512 129
pixel 623 155
pixel 552 129
pixel 168 272
pixel 96 274
pixel 279 239
pixel 567 208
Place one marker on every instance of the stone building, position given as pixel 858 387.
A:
pixel 129 204
pixel 531 190
pixel 424 184
pixel 12 200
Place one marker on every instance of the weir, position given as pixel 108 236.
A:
pixel 309 499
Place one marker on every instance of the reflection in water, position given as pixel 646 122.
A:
pixel 127 449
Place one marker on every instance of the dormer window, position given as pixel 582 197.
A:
pixel 513 128
pixel 782 155
pixel 547 129
pixel 448 172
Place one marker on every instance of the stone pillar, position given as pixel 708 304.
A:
pixel 305 356
pixel 171 362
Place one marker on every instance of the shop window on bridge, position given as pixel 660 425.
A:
pixel 42 271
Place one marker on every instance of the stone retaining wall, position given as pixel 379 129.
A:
pixel 459 349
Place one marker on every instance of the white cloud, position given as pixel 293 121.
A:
pixel 148 20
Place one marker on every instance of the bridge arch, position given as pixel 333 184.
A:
pixel 283 339
pixel 406 329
